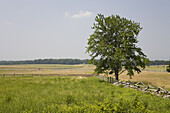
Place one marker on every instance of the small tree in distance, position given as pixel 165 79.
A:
pixel 113 43
pixel 168 67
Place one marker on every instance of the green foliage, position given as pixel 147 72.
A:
pixel 107 106
pixel 70 100
pixel 72 94
pixel 114 43
pixel 159 62
pixel 121 85
pixel 168 67
pixel 67 61
pixel 46 61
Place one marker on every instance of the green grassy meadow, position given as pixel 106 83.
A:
pixel 73 94
pixel 65 94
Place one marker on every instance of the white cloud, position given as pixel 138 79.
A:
pixel 66 13
pixel 82 14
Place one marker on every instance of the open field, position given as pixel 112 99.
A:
pixel 46 69
pixel 158 77
pixel 60 69
pixel 73 94
pixel 153 74
pixel 158 68
pixel 76 94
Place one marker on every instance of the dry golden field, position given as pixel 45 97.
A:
pixel 153 74
pixel 47 69
pixel 157 78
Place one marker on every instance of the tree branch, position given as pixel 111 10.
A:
pixel 122 71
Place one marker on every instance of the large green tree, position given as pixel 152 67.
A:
pixel 112 46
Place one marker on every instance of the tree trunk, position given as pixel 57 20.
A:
pixel 116 75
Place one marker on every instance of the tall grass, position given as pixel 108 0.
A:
pixel 73 94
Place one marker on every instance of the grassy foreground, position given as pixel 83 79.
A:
pixel 73 94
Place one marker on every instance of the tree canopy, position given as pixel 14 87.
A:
pixel 113 42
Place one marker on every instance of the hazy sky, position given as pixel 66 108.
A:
pixel 32 29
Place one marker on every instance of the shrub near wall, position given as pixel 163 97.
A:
pixel 168 68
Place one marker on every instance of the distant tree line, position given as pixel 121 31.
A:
pixel 67 61
pixel 159 62
pixel 46 61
